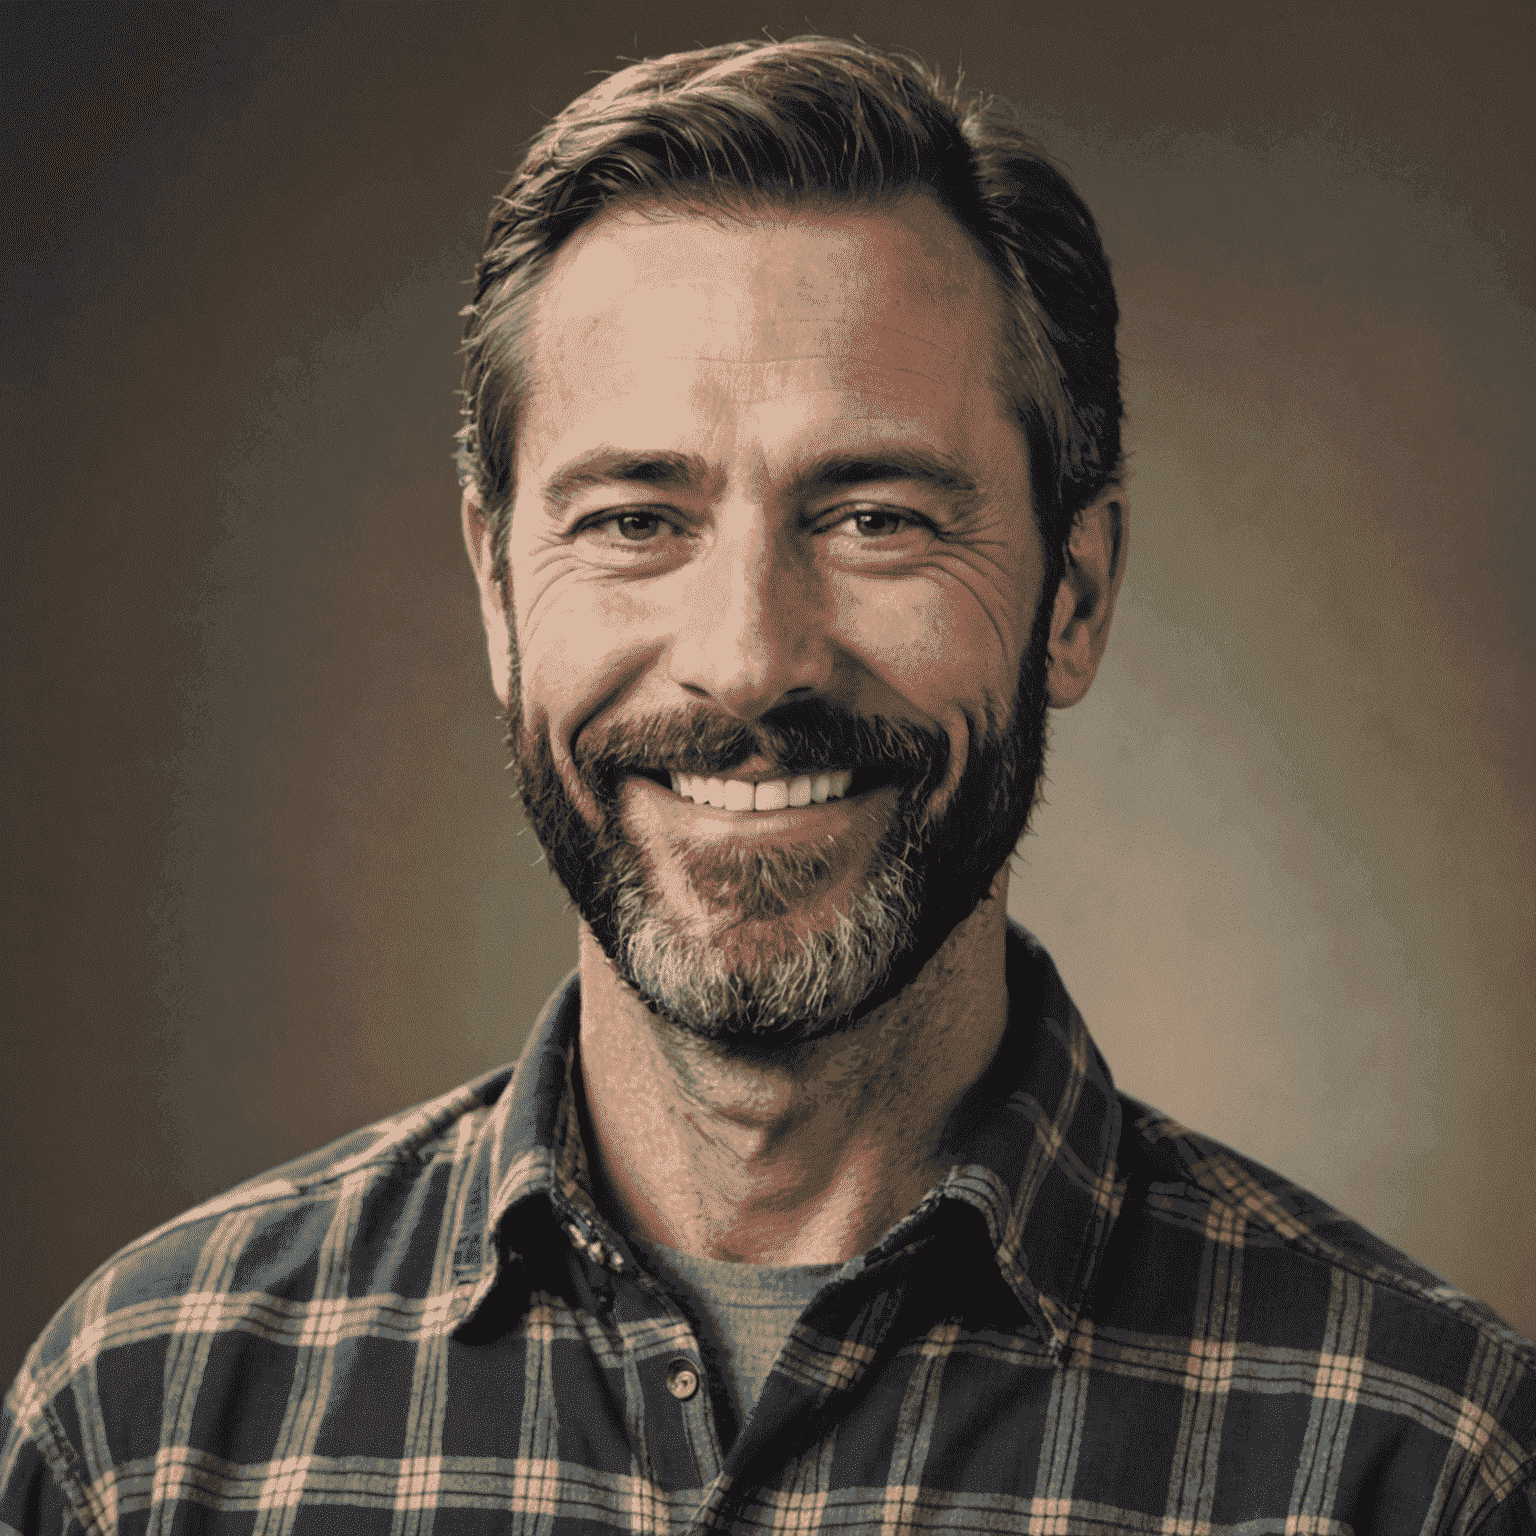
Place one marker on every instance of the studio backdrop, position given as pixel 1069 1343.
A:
pixel 264 879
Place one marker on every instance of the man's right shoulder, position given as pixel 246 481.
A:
pixel 263 1258
pixel 280 1208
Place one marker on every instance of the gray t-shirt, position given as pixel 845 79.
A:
pixel 744 1312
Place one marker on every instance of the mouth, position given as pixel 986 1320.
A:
pixel 759 794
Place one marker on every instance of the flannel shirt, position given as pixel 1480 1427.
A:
pixel 1095 1322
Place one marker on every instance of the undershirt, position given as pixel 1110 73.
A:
pixel 743 1313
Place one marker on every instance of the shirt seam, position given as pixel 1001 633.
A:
pixel 1521 1480
pixel 386 1167
pixel 60 1456
pixel 1406 1288
pixel 1319 1249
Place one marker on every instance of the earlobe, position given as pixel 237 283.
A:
pixel 1085 600
pixel 480 543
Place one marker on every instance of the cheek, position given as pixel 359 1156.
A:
pixel 932 642
pixel 579 642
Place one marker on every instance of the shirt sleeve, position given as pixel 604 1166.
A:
pixel 1516 1515
pixel 31 1501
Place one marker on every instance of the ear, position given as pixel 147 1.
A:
pixel 478 540
pixel 1085 600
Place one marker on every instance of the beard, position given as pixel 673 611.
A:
pixel 743 976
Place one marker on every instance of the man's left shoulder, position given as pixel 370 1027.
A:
pixel 1188 1177
pixel 1279 1284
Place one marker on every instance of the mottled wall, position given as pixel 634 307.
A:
pixel 263 881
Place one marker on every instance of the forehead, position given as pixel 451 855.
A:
pixel 910 252
pixel 661 308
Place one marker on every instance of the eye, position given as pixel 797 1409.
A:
pixel 635 527
pixel 880 522
pixel 870 527
pixel 878 538
pixel 640 539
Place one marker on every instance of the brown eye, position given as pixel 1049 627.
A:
pixel 637 527
pixel 876 525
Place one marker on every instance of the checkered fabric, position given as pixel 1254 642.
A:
pixel 1095 1322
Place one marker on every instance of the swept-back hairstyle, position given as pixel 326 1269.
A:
pixel 813 120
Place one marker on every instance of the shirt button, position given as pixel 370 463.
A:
pixel 682 1380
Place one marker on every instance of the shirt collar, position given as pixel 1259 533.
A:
pixel 1036 1159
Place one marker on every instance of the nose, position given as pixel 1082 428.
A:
pixel 753 632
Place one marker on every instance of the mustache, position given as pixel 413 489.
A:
pixel 804 736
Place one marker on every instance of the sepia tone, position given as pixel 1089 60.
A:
pixel 264 881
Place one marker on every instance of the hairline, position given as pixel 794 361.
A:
pixel 731 203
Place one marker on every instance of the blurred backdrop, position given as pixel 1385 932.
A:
pixel 263 879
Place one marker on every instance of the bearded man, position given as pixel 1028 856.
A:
pixel 792 487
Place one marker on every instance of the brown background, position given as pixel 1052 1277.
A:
pixel 263 881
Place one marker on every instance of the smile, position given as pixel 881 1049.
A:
pixel 765 795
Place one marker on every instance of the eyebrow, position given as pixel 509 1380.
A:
pixel 622 466
pixel 921 466
pixel 688 472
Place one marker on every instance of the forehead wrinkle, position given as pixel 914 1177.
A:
pixel 955 271
pixel 882 384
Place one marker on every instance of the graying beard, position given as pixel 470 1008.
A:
pixel 788 990
pixel 686 975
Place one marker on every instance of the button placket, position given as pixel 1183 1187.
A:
pixel 684 1380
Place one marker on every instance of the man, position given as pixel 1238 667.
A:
pixel 792 490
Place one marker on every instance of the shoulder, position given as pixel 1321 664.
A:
pixel 1190 1176
pixel 254 1265
pixel 271 1226
pixel 1295 1298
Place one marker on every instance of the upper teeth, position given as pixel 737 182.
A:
pixel 770 795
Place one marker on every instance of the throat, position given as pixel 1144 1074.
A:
pixel 804 1158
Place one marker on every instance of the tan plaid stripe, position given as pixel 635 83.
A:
pixel 824 1364
pixel 190 1341
pixel 421 1486
pixel 1095 1322
pixel 1338 1377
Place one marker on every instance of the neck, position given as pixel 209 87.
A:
pixel 803 1159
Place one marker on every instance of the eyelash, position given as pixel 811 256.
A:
pixel 904 519
pixel 613 519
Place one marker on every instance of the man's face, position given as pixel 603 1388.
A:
pixel 772 548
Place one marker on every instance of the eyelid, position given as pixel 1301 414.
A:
pixel 844 511
pixel 824 521
pixel 662 511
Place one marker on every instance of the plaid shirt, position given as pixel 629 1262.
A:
pixel 1094 1322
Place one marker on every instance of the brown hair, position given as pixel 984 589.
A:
pixel 814 119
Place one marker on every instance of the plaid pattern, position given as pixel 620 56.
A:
pixel 1096 1322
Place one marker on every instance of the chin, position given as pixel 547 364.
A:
pixel 761 975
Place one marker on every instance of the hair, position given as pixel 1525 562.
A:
pixel 813 121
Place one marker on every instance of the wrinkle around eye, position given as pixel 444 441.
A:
pixel 533 594
pixel 599 541
pixel 986 608
pixel 991 597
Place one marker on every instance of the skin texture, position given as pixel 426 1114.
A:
pixel 757 349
